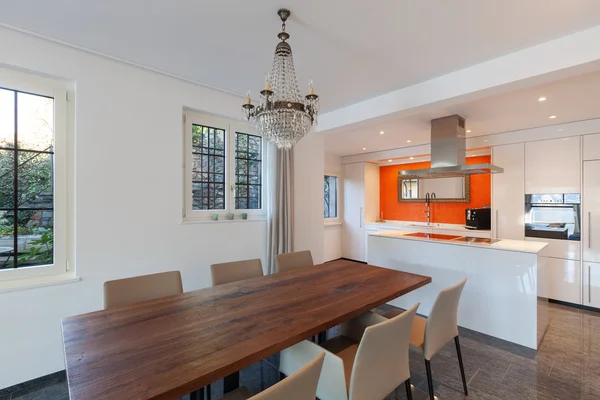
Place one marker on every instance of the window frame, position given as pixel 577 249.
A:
pixel 62 177
pixel 337 198
pixel 230 127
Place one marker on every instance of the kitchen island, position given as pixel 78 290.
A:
pixel 500 298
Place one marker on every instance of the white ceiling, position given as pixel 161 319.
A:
pixel 572 99
pixel 352 49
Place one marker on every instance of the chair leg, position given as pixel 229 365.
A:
pixel 281 376
pixel 408 389
pixel 429 379
pixel 462 367
pixel 208 394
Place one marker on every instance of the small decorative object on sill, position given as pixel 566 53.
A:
pixel 283 116
pixel 244 215
pixel 215 217
pixel 230 216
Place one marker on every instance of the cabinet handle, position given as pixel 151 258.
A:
pixel 590 284
pixel 589 230
pixel 360 212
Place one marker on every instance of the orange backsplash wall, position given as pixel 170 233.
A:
pixel 446 213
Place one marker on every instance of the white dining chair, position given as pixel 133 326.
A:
pixel 133 290
pixel 235 271
pixel 430 335
pixel 301 385
pixel 289 261
pixel 367 362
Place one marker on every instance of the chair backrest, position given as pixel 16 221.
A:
pixel 235 271
pixel 442 323
pixel 121 292
pixel 302 385
pixel 381 363
pixel 289 261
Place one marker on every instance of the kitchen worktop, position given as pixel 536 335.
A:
pixel 505 245
pixel 396 224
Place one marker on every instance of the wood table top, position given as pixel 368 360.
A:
pixel 169 347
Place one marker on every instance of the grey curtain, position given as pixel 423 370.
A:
pixel 280 204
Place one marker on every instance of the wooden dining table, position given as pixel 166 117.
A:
pixel 169 347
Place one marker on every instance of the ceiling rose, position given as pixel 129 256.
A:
pixel 283 116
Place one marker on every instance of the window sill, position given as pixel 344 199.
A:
pixel 333 223
pixel 32 283
pixel 191 221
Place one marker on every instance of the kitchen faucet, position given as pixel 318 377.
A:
pixel 428 198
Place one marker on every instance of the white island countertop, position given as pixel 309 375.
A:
pixel 496 244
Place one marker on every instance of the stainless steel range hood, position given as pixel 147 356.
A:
pixel 448 152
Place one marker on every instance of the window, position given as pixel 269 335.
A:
pixel 330 196
pixel 223 168
pixel 208 173
pixel 248 171
pixel 33 197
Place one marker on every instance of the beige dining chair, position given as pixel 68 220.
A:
pixel 126 291
pixel 367 362
pixel 288 261
pixel 235 271
pixel 302 385
pixel 430 335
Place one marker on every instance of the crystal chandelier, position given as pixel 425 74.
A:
pixel 283 117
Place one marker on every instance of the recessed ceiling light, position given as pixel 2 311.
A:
pixel 552 116
pixel 560 130
pixel 412 158
pixel 408 141
pixel 468 131
pixel 364 148
pixel 381 133
pixel 485 140
pixel 542 99
pixel 390 160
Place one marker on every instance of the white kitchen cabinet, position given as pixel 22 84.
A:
pixel 564 280
pixel 591 211
pixel 553 166
pixel 361 203
pixel 591 284
pixel 591 147
pixel 508 195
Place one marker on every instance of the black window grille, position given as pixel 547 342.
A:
pixel 208 168
pixel 248 171
pixel 26 179
pixel 330 196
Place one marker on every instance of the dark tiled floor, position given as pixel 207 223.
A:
pixel 567 367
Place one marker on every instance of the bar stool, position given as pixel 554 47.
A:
pixel 430 335
pixel 302 385
pixel 368 362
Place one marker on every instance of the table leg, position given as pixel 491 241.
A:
pixel 231 382
pixel 197 394
pixel 322 337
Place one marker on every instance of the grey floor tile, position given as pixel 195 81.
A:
pixel 55 391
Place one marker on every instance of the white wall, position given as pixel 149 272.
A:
pixel 308 195
pixel 128 191
pixel 333 231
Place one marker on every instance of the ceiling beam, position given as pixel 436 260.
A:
pixel 557 59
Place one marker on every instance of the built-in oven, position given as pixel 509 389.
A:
pixel 553 216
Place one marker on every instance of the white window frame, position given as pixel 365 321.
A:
pixel 337 198
pixel 230 127
pixel 63 127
